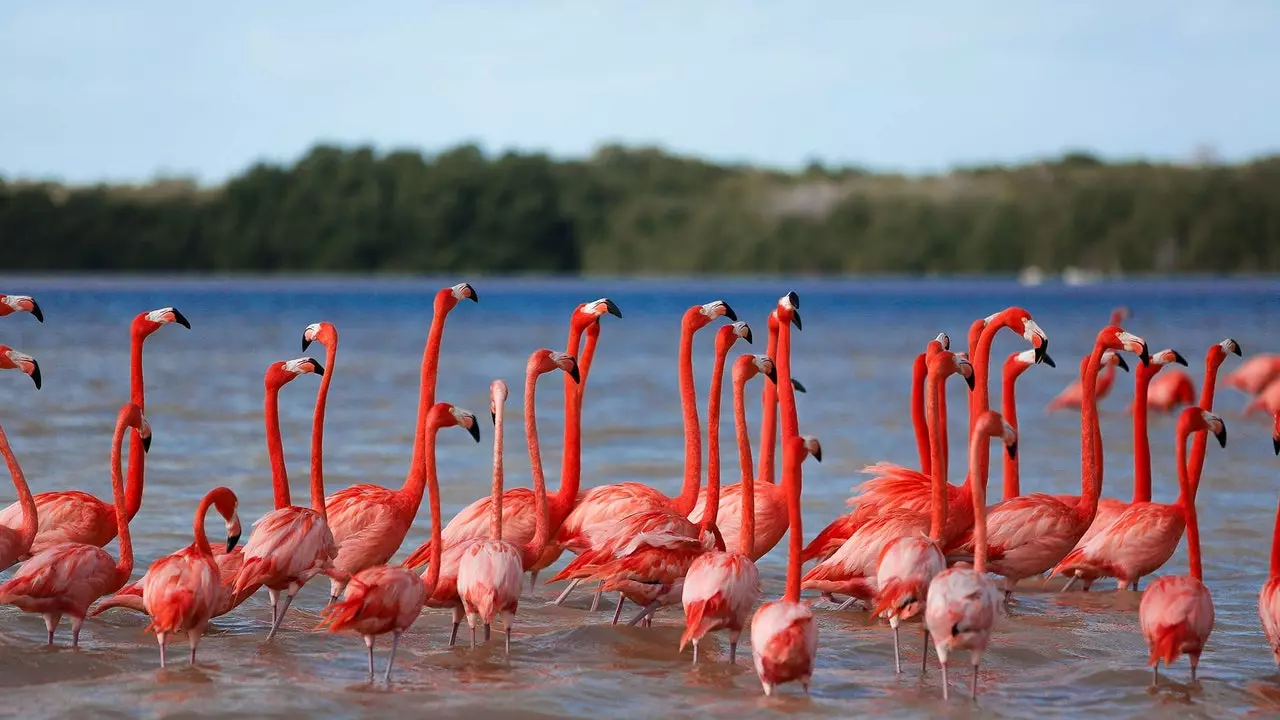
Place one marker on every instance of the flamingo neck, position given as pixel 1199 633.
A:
pixel 317 430
pixel 201 539
pixel 1188 503
pixel 137 394
pixel 919 373
pixel 692 432
pixel 124 567
pixel 1212 362
pixel 432 576
pixel 769 411
pixel 712 508
pixel 791 482
pixel 1091 449
pixel 30 522
pixel 787 408
pixel 495 504
pixel 980 358
pixel 1141 441
pixel 1275 547
pixel 275 446
pixel 410 494
pixel 1009 409
pixel 542 530
pixel 938 465
pixel 980 460
pixel 562 502
pixel 746 535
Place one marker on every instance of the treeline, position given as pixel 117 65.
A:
pixel 633 211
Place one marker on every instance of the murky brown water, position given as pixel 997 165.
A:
pixel 1055 656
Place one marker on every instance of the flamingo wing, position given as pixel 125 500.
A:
pixel 66 517
pixel 181 591
pixel 65 578
pixel 367 526
pixel 290 544
pixel 377 600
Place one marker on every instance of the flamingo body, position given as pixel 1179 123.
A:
pixel 63 579
pixel 960 612
pixel 1254 374
pixel 1137 543
pixel 65 516
pixel 181 592
pixel 599 508
pixel 851 570
pixel 770 516
pixel 784 643
pixel 1170 390
pixel 1176 616
pixel 377 600
pixel 719 592
pixel 1028 535
pixel 472 523
pixel 1269 614
pixel 287 548
pixel 489 579
pixel 130 597
pixel 905 569
pixel 368 525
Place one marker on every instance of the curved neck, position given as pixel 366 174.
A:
pixel 432 576
pixel 1212 362
pixel 938 465
pixel 275 446
pixel 979 462
pixel 769 411
pixel 1141 444
pixel 317 431
pixel 1188 503
pixel 566 496
pixel 542 531
pixel 1009 409
pixel 124 567
pixel 26 533
pixel 201 539
pixel 1090 448
pixel 919 371
pixel 980 358
pixel 746 535
pixel 712 508
pixel 410 494
pixel 692 432
pixel 137 457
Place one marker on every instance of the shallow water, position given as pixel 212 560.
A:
pixel 1054 656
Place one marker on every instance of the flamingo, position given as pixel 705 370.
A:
pixel 830 538
pixel 184 590
pixel 388 599
pixel 16 544
pixel 896 487
pixel 1016 364
pixel 907 565
pixel 518 524
pixel 1029 534
pixel 1073 394
pixel 78 517
pixel 1170 391
pixel 647 549
pixel 963 602
pixel 369 522
pixel 1254 374
pixel 10 304
pixel 769 411
pixel 1267 400
pixel 490 572
pixel 291 544
pixel 1176 613
pixel 721 588
pixel 851 569
pixel 66 578
pixel 1269 598
pixel 597 511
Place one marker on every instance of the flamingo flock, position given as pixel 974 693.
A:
pixel 913 546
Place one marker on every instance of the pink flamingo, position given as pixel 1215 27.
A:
pixel 78 517
pixel 1073 394
pixel 907 565
pixel 1016 364
pixel 518 514
pixel 769 412
pixel 369 522
pixel 16 544
pixel 721 588
pixel 1170 391
pixel 598 510
pixel 291 544
pixel 963 602
pixel 490 571
pixel 388 599
pixel 184 590
pixel 1029 534
pixel 66 578
pixel 896 487
pixel 1254 374
pixel 1269 598
pixel 10 304
pixel 851 569
pixel 830 538
pixel 1176 614
pixel 1267 400
pixel 647 549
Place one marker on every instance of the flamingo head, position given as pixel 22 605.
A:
pixel 1019 320
pixel 588 314
pixel 943 340
pixel 788 309
pixel 748 366
pixel 1219 352
pixel 1110 358
pixel 729 334
pixel 700 316
pixel 322 332
pixel 20 303
pixel 1164 357
pixel 812 446
pixel 991 424
pixel 447 298
pixel 1193 419
pixel 227 504
pixel 281 372
pixel 1275 435
pixel 945 363
pixel 148 322
pixel 497 398
pixel 1113 337
pixel 443 415
pixel 545 361
pixel 11 359
pixel 1119 314
pixel 131 416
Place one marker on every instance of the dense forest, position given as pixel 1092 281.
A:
pixel 644 211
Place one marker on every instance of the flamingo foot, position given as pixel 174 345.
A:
pixel 564 595
pixel 368 643
pixel 284 608
pixel 51 621
pixel 391 661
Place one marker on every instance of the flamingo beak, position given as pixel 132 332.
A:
pixel 729 313
pixel 1012 449
pixel 146 444
pixel 318 368
pixel 1177 357
pixel 35 373
pixel 797 386
pixel 968 380
pixel 1044 358
pixel 1275 443
pixel 573 373
pixel 181 319
pixel 795 319
pixel 474 430
pixel 794 299
pixel 475 296
pixel 232 541
pixel 306 342
pixel 772 374
pixel 1122 364
pixel 1222 437
pixel 35 311
pixel 747 336
pixel 612 308
pixel 493 417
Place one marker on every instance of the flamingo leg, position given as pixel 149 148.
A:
pixel 160 637
pixel 846 604
pixel 275 606
pixel 595 599
pixel 284 608
pixel 487 632
pixel 644 612
pixel 1071 580
pixel 533 580
pixel 564 595
pixel 368 644
pixel 733 646
pixel 945 694
pixel 508 647
pixel 1155 674
pixel 457 620
pixel 695 652
pixel 974 689
pixel 391 660
pixel 897 654
pixel 51 621
pixel 648 620
pixel 193 639
pixel 1195 661
pixel 76 623
pixel 473 634
pixel 453 635
pixel 924 656
pixel 617 612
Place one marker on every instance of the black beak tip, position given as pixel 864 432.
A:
pixel 1048 360
pixel 1222 438
pixel 795 319
pixel 232 541
pixel 475 296
pixel 729 313
pixel 319 369
pixel 1012 449
pixel 36 313
pixel 1123 365
pixel 773 376
pixel 1177 357
pixel 794 299
pixel 968 380
pixel 493 417
pixel 798 386
pixel 1144 356
pixel 35 374
pixel 1275 444
pixel 817 454
pixel 1236 349
pixel 146 444
pixel 305 343
pixel 475 432
pixel 747 337
pixel 181 319
pixel 612 308
pixel 573 373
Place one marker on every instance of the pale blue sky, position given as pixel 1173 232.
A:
pixel 126 90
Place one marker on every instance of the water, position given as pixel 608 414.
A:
pixel 1054 657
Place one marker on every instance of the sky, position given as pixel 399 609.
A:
pixel 124 92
